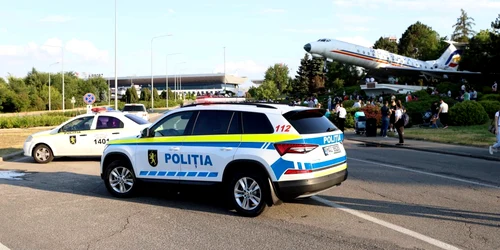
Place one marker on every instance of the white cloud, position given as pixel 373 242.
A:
pixel 84 50
pixel 442 5
pixel 56 19
pixel 170 11
pixel 243 68
pixel 358 40
pixel 87 50
pixel 312 31
pixel 273 11
pixel 353 18
pixel 3 30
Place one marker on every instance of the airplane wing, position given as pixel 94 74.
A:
pixel 438 73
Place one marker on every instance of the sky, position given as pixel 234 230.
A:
pixel 256 34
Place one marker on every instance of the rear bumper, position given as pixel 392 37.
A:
pixel 287 190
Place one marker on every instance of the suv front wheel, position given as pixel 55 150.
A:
pixel 120 179
pixel 248 193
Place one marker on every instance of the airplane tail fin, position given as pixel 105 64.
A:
pixel 451 57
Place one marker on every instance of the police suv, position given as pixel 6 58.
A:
pixel 260 153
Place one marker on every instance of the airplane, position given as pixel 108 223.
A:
pixel 382 60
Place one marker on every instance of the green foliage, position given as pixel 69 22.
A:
pixel 156 96
pixel 131 96
pixel 31 121
pixel 346 72
pixel 490 97
pixel 300 85
pixel 443 88
pixel 420 41
pixel 266 91
pixel 468 113
pixel 278 73
pixel 386 44
pixel 491 107
pixel 463 28
pixel 145 94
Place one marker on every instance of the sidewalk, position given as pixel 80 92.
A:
pixel 473 152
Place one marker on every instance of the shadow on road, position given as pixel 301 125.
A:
pixel 204 199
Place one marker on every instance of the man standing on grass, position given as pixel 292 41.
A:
pixel 443 113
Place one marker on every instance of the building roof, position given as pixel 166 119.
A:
pixel 186 78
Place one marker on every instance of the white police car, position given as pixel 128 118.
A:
pixel 261 153
pixel 83 135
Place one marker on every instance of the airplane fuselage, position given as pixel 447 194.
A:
pixel 370 58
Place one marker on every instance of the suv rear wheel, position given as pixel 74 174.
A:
pixel 120 179
pixel 248 193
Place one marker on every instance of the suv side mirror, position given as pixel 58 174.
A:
pixel 145 133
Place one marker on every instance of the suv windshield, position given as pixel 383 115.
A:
pixel 138 108
pixel 310 121
pixel 136 119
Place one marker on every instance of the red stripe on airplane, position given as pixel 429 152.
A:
pixel 366 58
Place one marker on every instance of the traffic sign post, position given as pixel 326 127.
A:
pixel 89 99
pixel 73 101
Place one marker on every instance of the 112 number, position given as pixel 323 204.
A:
pixel 283 128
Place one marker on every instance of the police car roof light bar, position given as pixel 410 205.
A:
pixel 99 109
pixel 259 105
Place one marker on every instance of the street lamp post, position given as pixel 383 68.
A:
pixel 152 39
pixel 166 76
pixel 225 71
pixel 62 70
pixel 50 105
pixel 178 85
pixel 116 72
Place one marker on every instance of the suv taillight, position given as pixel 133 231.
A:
pixel 284 148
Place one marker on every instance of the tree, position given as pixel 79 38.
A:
pixel 131 95
pixel 420 41
pixel 477 56
pixel 156 96
pixel 300 85
pixel 316 76
pixel 267 91
pixel 348 73
pixel 145 94
pixel 278 73
pixel 386 44
pixel 463 28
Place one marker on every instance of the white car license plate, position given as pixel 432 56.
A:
pixel 332 149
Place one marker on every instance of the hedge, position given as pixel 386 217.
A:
pixel 468 113
pixel 491 107
pixel 31 121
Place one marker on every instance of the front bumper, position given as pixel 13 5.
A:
pixel 27 149
pixel 287 190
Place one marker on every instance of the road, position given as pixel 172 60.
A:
pixel 393 199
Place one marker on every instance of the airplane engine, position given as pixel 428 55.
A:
pixel 316 55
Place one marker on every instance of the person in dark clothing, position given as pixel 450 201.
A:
pixel 386 114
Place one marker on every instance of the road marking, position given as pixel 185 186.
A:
pixel 427 173
pixel 3 247
pixel 394 227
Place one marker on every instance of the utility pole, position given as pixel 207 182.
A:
pixel 224 70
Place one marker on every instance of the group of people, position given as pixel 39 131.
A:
pixel 393 119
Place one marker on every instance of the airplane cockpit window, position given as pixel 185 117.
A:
pixel 324 40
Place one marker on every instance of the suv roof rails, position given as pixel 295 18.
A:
pixel 259 105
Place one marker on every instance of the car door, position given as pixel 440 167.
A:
pixel 158 156
pixel 73 138
pixel 107 128
pixel 215 137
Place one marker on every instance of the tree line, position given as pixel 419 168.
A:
pixel 316 76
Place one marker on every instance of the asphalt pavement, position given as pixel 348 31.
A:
pixel 394 198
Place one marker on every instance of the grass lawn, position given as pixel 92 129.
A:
pixel 12 140
pixel 477 135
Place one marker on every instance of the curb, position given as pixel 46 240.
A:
pixel 488 158
pixel 11 156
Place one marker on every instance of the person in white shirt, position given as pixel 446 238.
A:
pixel 495 146
pixel 443 113
pixel 399 123
pixel 494 87
pixel 341 117
pixel 357 104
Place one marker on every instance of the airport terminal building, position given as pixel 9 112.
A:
pixel 198 84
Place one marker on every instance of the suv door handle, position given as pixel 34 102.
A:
pixel 226 149
pixel 175 149
pixel 116 133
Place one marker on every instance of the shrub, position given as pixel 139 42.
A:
pixel 468 113
pixel 31 121
pixel 373 112
pixel 490 97
pixel 491 107
pixel 348 103
pixel 421 94
pixel 443 88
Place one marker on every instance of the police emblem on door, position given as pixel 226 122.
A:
pixel 153 157
pixel 72 139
